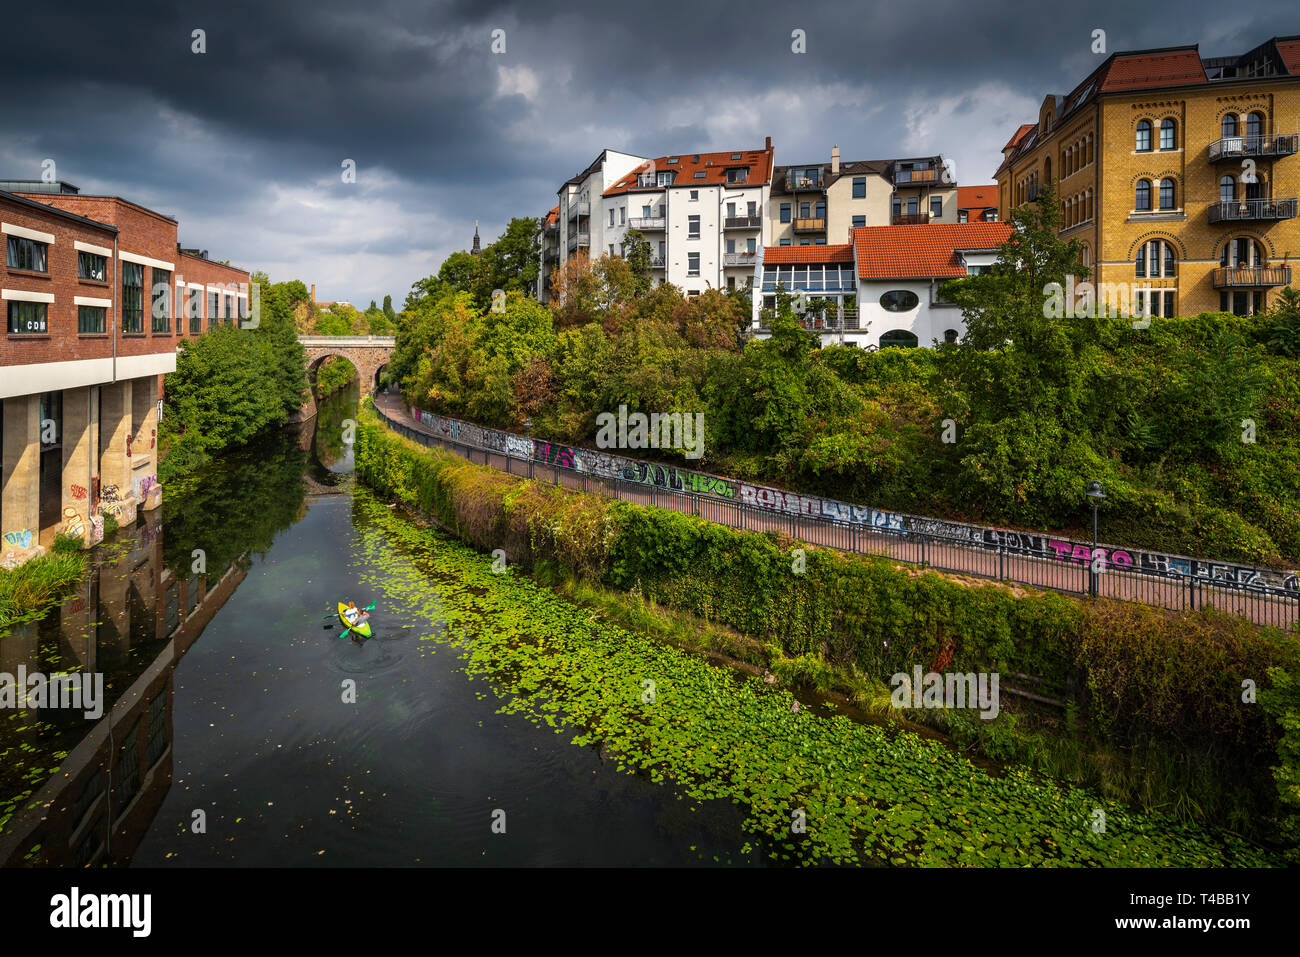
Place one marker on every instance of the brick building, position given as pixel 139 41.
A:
pixel 1176 173
pixel 96 294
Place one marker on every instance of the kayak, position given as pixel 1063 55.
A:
pixel 362 629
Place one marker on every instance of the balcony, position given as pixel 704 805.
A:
pixel 1255 147
pixel 579 239
pixel 810 225
pixel 580 208
pixel 799 181
pixel 1257 276
pixel 645 222
pixel 910 219
pixel 656 262
pixel 915 177
pixel 1253 210
pixel 743 222
pixel 739 259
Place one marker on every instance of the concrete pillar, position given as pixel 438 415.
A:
pixel 20 476
pixel 115 496
pixel 144 442
pixel 78 459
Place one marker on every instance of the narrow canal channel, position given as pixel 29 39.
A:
pixel 245 720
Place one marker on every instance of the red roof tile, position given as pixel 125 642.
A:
pixel 921 252
pixel 1290 50
pixel 1019 135
pixel 1139 71
pixel 713 165
pixel 977 197
pixel 808 254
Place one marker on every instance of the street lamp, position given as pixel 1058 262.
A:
pixel 1098 495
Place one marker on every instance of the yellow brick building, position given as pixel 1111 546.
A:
pixel 1178 174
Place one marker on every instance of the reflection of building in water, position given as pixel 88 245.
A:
pixel 132 621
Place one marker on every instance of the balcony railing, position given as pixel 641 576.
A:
pixel 916 177
pixel 580 208
pixel 830 323
pixel 1228 278
pixel 739 259
pixel 579 239
pixel 645 222
pixel 910 219
pixel 795 181
pixel 816 225
pixel 656 262
pixel 1252 209
pixel 1257 146
pixel 743 222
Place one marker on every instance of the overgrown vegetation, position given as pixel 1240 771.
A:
pixel 334 373
pixel 1164 417
pixel 1145 688
pixel 27 591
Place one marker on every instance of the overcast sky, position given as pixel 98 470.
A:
pixel 244 144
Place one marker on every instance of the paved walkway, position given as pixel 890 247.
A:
pixel 1001 565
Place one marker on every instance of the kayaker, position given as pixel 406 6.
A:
pixel 355 616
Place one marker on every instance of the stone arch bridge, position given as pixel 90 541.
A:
pixel 368 354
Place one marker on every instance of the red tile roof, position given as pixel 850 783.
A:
pixel 977 197
pixel 921 252
pixel 713 165
pixel 1290 51
pixel 553 217
pixel 808 254
pixel 1140 71
pixel 1020 135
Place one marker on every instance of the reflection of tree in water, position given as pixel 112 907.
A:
pixel 237 503
pixel 331 450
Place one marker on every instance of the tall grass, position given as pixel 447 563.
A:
pixel 28 590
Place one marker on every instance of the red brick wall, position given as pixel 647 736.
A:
pixel 193 269
pixel 62 343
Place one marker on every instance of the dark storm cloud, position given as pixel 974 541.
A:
pixel 244 143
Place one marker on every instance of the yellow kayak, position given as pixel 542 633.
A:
pixel 362 629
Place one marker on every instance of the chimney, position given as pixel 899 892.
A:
pixel 313 294
pixel 768 144
pixel 835 161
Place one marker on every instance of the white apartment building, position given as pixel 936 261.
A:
pixel 704 214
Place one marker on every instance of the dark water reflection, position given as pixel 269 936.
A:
pixel 227 678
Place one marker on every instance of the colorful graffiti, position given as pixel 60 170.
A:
pixel 73 523
pixel 146 488
pixel 19 539
pixel 96 529
pixel 109 502
pixel 1009 541
pixel 78 491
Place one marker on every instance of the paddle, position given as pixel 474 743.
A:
pixel 369 607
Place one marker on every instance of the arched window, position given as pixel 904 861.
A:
pixel 1155 259
pixel 1242 252
pixel 1227 189
pixel 899 338
pixel 1228 125
pixel 1089 204
pixel 950 335
pixel 1166 193
pixel 1088 156
pixel 1168 134
pixel 1143 136
pixel 1085 256
pixel 1047 170
pixel 1254 128
pixel 1143 197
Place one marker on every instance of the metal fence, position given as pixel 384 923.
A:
pixel 1262 604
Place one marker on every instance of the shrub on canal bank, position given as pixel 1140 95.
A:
pixel 28 590
pixel 1136 678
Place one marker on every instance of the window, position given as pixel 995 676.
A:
pixel 899 300
pixel 1154 302
pixel 132 298
pixel 859 187
pixel 27 318
pixel 785 242
pixel 622 215
pixel 28 254
pixel 1227 189
pixel 90 320
pixel 819 211
pixel 162 300
pixel 695 194
pixel 692 227
pixel 805 210
pixel 1155 259
pixel 1254 128
pixel 785 212
pixel 1241 302
pixel 51 413
pixel 1166 193
pixel 700 174
pixel 751 245
pixel 92 266
pixel 936 206
pixel 859 221
pixel 611 249
pixel 611 217
pixel 950 335
pixel 692 264
pixel 962 216
pixel 1241 253
pixel 898 339
pixel 1228 125
pixel 196 312
pixel 1143 198
pixel 1143 136
pixel 731 210
pixel 897 207
pixel 645 211
pixel 212 308
pixel 1168 134
pixel 738 175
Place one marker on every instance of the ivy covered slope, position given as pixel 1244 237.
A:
pixel 1135 673
pixel 1193 424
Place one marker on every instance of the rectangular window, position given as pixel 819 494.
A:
pixel 611 217
pixel 195 305
pixel 859 221
pixel 731 210
pixel 27 254
pixel 212 308
pixel 785 212
pixel 731 245
pixel 936 206
pixel 962 216
pixel 898 207
pixel 785 242
pixel 27 318
pixel 692 264
pixel 753 208
pixel 622 215
pixel 92 266
pixel 805 210
pixel 859 187
pixel 821 211
pixel 230 308
pixel 645 212
pixel 90 320
pixel 132 297
pixel 692 227
pixel 751 245
pixel 695 194
pixel 161 306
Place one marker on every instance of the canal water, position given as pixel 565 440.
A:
pixel 246 729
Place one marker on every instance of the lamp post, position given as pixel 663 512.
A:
pixel 1098 495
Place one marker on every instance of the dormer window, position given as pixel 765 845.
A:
pixel 666 178
pixel 738 175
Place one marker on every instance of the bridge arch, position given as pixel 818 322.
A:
pixel 368 355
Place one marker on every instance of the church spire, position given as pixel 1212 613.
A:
pixel 476 248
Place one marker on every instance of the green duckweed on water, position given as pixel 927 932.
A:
pixel 869 795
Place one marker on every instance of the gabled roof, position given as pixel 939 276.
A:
pixel 922 251
pixel 552 217
pixel 713 166
pixel 55 211
pixel 781 255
